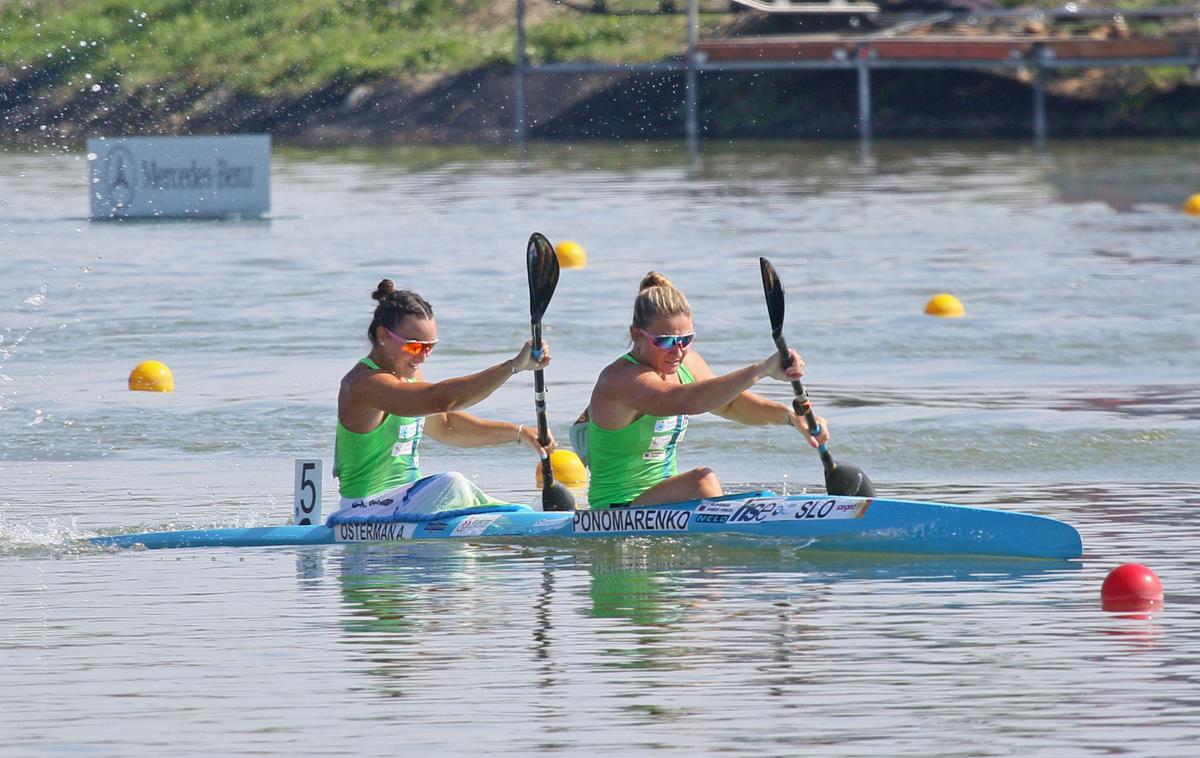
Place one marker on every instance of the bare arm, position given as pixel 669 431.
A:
pixel 643 391
pixel 466 430
pixel 747 407
pixel 390 394
pixel 372 392
pixel 753 409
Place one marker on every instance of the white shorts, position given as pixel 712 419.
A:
pixel 430 496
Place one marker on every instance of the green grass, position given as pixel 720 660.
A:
pixel 290 47
pixel 272 47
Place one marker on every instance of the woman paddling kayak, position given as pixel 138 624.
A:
pixel 385 407
pixel 641 402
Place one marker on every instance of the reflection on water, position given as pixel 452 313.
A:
pixel 402 595
pixel 657 634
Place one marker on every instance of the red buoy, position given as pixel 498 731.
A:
pixel 1131 587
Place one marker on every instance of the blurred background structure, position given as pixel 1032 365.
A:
pixel 499 71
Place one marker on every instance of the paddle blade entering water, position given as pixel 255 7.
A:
pixel 848 480
pixel 557 497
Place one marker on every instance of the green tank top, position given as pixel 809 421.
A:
pixel 381 459
pixel 626 462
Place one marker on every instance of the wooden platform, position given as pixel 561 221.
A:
pixel 1039 42
pixel 945 48
pixel 826 8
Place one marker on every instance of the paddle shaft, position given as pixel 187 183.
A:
pixel 802 406
pixel 539 402
pixel 541 264
pixel 839 480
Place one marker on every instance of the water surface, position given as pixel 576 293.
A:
pixel 1068 390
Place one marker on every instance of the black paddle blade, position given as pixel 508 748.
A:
pixel 542 265
pixel 773 289
pixel 557 497
pixel 848 480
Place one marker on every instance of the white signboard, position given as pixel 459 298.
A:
pixel 179 177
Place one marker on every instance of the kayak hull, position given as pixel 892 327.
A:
pixel 875 525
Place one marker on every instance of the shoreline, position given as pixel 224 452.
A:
pixel 476 107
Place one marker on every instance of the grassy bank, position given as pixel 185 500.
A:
pixel 286 47
pixel 441 70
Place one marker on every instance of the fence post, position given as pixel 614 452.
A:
pixel 691 75
pixel 519 125
pixel 1039 95
pixel 864 93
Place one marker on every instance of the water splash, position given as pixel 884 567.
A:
pixel 53 537
pixel 35 300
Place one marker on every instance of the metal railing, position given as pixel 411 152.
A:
pixel 858 55
pixel 826 8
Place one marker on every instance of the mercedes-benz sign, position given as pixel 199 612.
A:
pixel 180 177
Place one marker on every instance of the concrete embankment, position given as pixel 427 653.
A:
pixel 311 74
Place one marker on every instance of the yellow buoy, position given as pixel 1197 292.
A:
pixel 1192 206
pixel 570 254
pixel 567 469
pixel 152 376
pixel 945 306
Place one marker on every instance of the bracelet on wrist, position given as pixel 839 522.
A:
pixel 520 427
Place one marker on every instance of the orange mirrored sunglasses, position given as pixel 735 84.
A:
pixel 413 347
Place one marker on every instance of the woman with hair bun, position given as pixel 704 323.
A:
pixel 641 402
pixel 385 407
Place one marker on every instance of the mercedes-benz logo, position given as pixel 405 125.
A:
pixel 119 167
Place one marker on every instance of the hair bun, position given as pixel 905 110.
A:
pixel 654 279
pixel 385 288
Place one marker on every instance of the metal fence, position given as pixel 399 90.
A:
pixel 886 49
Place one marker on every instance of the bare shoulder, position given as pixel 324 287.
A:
pixel 356 375
pixel 618 373
pixel 609 407
pixel 364 384
pixel 611 382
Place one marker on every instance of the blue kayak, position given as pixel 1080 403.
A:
pixel 816 522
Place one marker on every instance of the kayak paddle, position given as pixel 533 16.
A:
pixel 840 478
pixel 542 265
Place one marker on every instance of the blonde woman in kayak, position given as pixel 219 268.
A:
pixel 386 406
pixel 641 403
